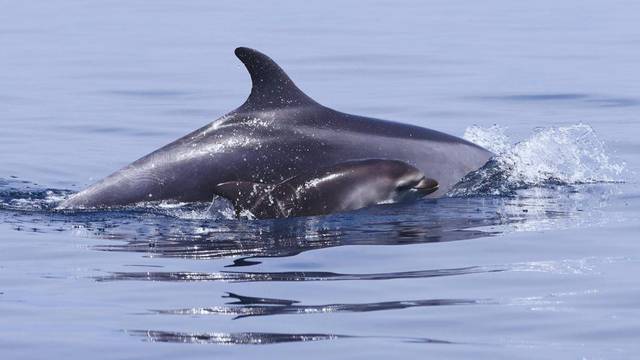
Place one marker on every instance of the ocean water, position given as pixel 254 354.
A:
pixel 536 255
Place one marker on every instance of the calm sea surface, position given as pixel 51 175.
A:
pixel 535 256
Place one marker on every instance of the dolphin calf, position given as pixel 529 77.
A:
pixel 277 133
pixel 346 186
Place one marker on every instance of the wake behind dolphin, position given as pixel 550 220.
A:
pixel 277 134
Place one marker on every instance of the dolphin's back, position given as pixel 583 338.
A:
pixel 276 133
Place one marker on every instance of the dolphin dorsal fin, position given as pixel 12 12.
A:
pixel 271 86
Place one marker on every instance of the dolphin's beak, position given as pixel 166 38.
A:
pixel 426 186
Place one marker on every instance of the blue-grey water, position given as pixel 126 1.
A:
pixel 535 256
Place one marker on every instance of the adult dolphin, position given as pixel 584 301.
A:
pixel 276 134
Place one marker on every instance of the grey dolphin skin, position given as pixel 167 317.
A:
pixel 278 133
pixel 347 186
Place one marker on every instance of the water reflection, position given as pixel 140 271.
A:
pixel 242 338
pixel 247 240
pixel 247 306
pixel 245 276
pixel 189 231
pixel 244 242
pixel 564 266
pixel 254 338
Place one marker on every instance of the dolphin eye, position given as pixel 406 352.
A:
pixel 407 185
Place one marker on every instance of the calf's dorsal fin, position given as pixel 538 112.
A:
pixel 271 86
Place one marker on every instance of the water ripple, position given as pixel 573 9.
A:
pixel 237 276
pixel 255 338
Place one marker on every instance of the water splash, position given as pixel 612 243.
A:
pixel 568 155
pixel 22 195
pixel 493 138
